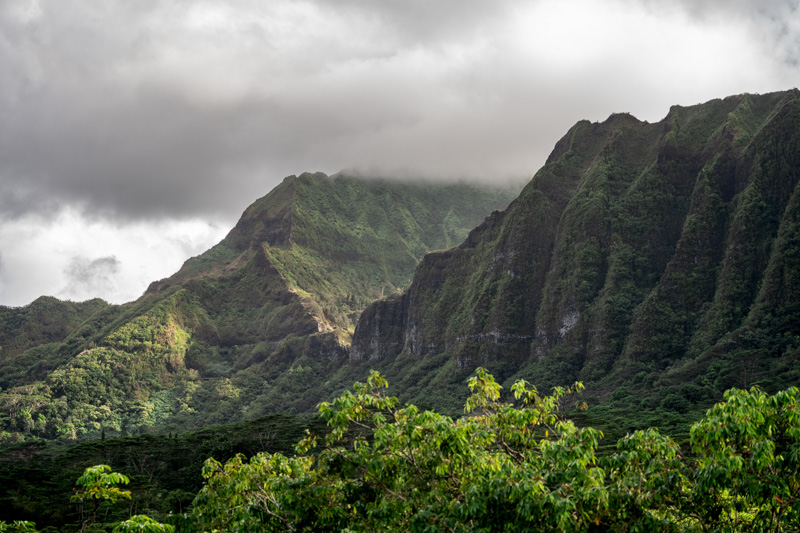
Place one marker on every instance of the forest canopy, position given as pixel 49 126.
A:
pixel 516 465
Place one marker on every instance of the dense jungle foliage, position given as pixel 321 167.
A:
pixel 504 466
pixel 37 478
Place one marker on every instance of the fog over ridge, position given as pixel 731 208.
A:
pixel 155 113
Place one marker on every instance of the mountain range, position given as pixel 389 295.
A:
pixel 659 263
pixel 235 332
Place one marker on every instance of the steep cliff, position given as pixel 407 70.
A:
pixel 639 253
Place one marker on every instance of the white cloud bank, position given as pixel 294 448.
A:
pixel 74 258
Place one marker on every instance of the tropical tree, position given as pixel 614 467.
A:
pixel 517 466
pixel 747 476
pixel 385 468
pixel 142 524
pixel 99 484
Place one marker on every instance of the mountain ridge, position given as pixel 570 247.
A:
pixel 657 262
pixel 223 337
pixel 607 264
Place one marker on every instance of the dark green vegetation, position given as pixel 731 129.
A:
pixel 514 468
pixel 38 478
pixel 32 338
pixel 258 324
pixel 657 263
pixel 506 466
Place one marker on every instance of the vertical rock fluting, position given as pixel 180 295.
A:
pixel 636 242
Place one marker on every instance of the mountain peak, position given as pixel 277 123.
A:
pixel 280 294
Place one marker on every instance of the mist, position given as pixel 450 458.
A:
pixel 141 116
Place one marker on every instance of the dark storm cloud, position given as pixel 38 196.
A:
pixel 89 277
pixel 82 126
pixel 135 110
pixel 155 155
pixel 104 108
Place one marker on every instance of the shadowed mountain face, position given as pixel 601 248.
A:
pixel 259 323
pixel 640 254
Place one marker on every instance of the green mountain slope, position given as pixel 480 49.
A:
pixel 248 327
pixel 658 260
pixel 33 337
pixel 341 243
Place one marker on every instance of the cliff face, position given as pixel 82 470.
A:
pixel 635 248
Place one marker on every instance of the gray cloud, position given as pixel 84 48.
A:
pixel 138 122
pixel 87 278
pixel 713 9
pixel 421 22
pixel 2 275
pixel 773 23
pixel 140 110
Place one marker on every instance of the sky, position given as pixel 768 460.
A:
pixel 133 134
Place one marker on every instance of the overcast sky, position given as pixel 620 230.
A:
pixel 134 133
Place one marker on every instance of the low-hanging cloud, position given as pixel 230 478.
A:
pixel 135 110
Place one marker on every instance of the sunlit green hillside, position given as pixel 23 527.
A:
pixel 230 335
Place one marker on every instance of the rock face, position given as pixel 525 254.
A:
pixel 384 327
pixel 635 248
